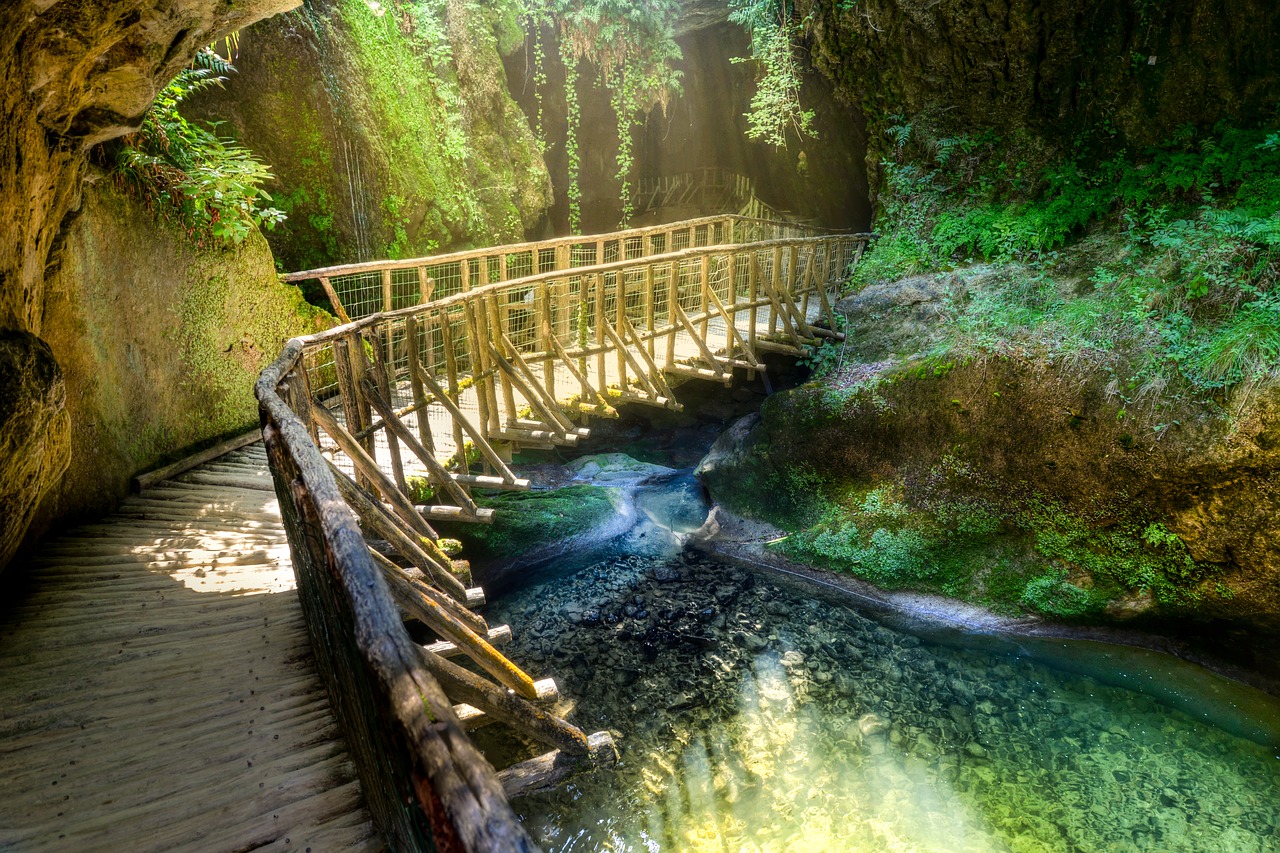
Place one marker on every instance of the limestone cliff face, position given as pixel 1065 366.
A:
pixel 159 342
pixel 76 72
pixel 33 441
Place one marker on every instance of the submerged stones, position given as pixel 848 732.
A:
pixel 748 730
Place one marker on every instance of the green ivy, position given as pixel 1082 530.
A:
pixel 775 109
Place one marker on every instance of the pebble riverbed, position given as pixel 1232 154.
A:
pixel 753 716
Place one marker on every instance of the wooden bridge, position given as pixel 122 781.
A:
pixel 156 689
pixel 445 366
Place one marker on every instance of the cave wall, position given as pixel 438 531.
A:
pixel 822 178
pixel 388 131
pixel 1100 74
pixel 76 72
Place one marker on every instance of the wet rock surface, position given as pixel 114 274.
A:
pixel 753 717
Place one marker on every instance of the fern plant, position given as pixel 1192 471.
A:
pixel 185 171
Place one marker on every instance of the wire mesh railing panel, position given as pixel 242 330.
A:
pixel 406 290
pixel 322 375
pixel 359 293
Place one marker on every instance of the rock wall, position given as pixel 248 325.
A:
pixel 159 342
pixel 389 128
pixel 1111 74
pixel 822 178
pixel 1068 473
pixel 76 72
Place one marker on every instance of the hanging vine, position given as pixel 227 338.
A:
pixel 572 117
pixel 632 47
pixel 775 108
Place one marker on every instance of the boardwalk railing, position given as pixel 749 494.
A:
pixel 708 189
pixel 357 290
pixel 376 426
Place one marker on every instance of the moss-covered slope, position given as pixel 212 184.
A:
pixel 1019 475
pixel 389 127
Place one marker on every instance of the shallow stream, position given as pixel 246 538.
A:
pixel 756 714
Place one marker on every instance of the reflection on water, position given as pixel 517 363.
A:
pixel 753 718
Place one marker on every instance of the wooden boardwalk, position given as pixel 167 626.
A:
pixel 157 688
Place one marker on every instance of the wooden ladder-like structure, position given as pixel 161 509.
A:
pixel 373 429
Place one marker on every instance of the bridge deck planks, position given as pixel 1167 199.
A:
pixel 156 684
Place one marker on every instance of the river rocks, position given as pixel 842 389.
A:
pixel 792 660
pixel 872 724
pixel 792 722
pixel 34 433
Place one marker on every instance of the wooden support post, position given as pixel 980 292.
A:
pixel 365 465
pixel 588 392
pixel 772 285
pixel 426 286
pixel 462 424
pixel 549 770
pixel 620 316
pixel 549 402
pixel 499 635
pixel 408 592
pixel 732 334
pixel 476 647
pixel 602 376
pixel 648 307
pixel 496 328
pixel 705 275
pixel 370 390
pixel 397 430
pixel 348 351
pixel 526 718
pixel 476 358
pixel 300 390
pixel 673 305
pixel 625 353
pixel 710 357
pixel 412 330
pixel 546 331
pixel 378 521
pixel 451 375
pixel 338 308
pixel 654 373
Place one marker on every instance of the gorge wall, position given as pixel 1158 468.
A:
pixel 76 72
pixel 389 128
pixel 1064 73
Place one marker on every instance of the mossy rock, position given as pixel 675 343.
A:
pixel 529 522
pixel 1012 483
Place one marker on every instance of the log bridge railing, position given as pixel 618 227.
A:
pixel 434 391
pixel 357 290
pixel 706 188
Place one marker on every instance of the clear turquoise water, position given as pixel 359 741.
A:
pixel 753 715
